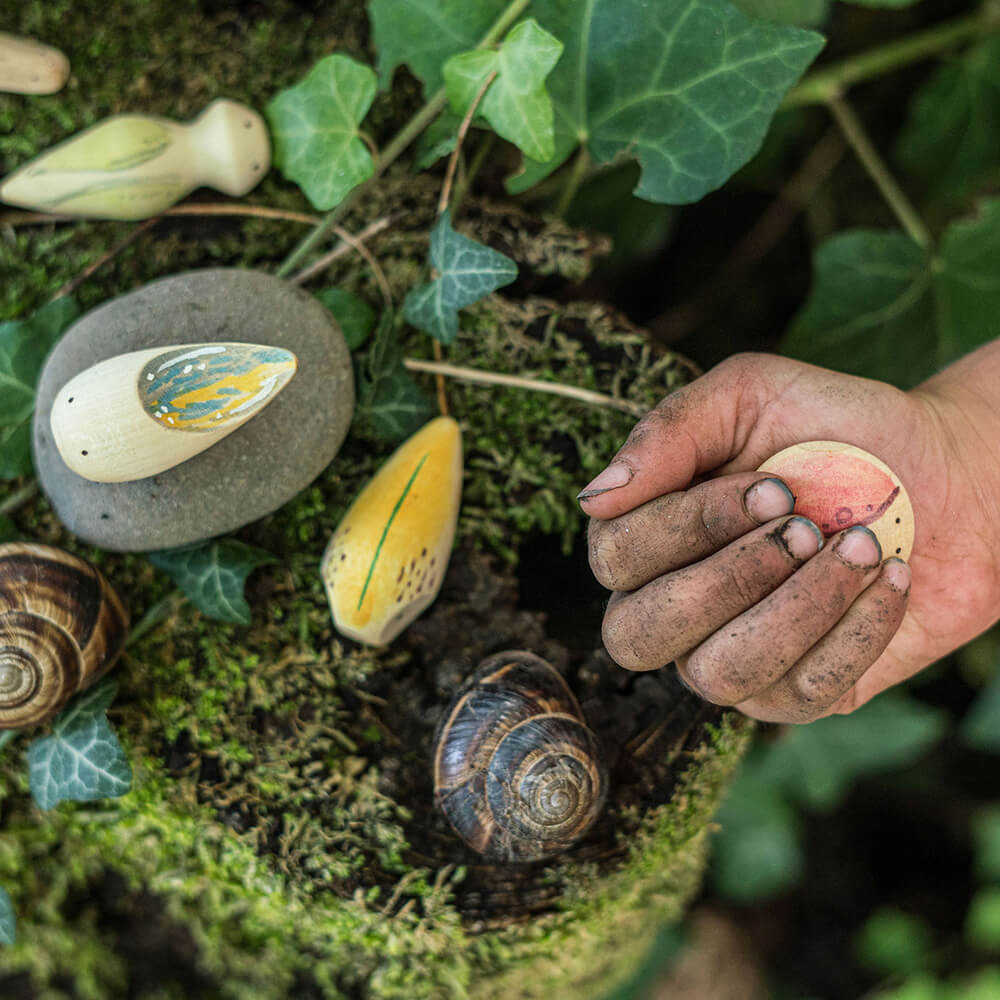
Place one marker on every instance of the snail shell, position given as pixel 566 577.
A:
pixel 62 627
pixel 138 414
pixel 516 771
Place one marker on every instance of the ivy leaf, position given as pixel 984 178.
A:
pixel 212 575
pixel 315 130
pixel 952 135
pixel 82 759
pixel 688 87
pixel 8 922
pixel 353 315
pixel 467 271
pixel 884 308
pixel 757 851
pixel 439 139
pixel 806 13
pixel 980 728
pixel 898 4
pixel 817 764
pixel 391 406
pixel 24 344
pixel 516 104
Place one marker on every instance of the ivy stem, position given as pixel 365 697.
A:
pixel 866 152
pixel 574 178
pixel 470 172
pixel 463 130
pixel 397 145
pixel 156 615
pixel 826 84
pixel 19 498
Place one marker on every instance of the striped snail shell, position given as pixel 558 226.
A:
pixel 61 628
pixel 516 771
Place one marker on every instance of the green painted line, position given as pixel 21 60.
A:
pixel 388 525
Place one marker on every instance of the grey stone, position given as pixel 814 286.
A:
pixel 247 475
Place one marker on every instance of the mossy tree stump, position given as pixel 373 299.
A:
pixel 280 838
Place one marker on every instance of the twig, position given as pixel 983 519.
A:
pixel 518 382
pixel 397 146
pixel 460 138
pixel 679 321
pixel 72 285
pixel 19 498
pixel 820 87
pixel 343 248
pixel 470 174
pixel 870 159
pixel 196 208
pixel 380 278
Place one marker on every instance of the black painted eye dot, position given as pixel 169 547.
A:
pixel 898 551
pixel 83 453
pixel 898 520
pixel 70 400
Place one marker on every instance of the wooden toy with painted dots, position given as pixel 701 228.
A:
pixel 838 485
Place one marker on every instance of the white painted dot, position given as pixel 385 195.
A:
pixel 150 377
pixel 201 367
pixel 188 369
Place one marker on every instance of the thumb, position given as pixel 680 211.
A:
pixel 691 432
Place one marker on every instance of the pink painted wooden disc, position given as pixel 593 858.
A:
pixel 838 485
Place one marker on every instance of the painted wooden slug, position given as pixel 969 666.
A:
pixel 516 771
pixel 29 67
pixel 62 627
pixel 838 485
pixel 386 561
pixel 133 166
pixel 138 414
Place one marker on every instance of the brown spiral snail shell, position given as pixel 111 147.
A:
pixel 61 628
pixel 516 771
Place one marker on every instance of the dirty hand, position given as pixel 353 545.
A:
pixel 709 570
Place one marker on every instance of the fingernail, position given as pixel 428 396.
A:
pixel 801 537
pixel 616 475
pixel 859 546
pixel 767 499
pixel 897 574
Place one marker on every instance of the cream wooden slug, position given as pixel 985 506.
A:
pixel 133 166
pixel 386 561
pixel 29 67
pixel 138 414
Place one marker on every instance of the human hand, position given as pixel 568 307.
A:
pixel 708 569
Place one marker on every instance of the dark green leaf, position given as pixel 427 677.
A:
pixel 687 87
pixel 980 728
pixel 24 344
pixel 315 130
pixel 806 13
pixel 757 852
pixel 354 316
pixel 391 406
pixel 883 308
pixel 516 104
pixel 8 530
pixel 893 943
pixel 817 764
pixel 394 406
pixel 982 923
pixel 8 922
pixel 951 138
pixel 467 271
pixel 438 140
pixel 985 828
pixel 425 33
pixel 212 575
pixel 82 759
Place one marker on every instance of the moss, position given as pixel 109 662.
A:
pixel 278 836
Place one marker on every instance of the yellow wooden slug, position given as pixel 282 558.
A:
pixel 386 561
